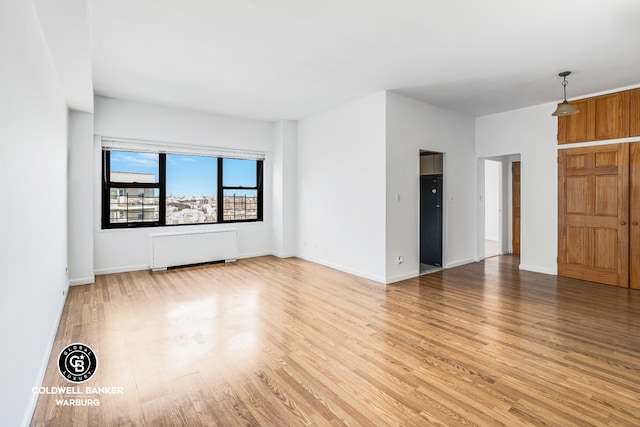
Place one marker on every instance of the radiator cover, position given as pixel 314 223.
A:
pixel 185 248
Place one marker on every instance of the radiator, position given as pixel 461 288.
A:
pixel 176 249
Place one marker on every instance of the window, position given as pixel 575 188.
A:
pixel 191 189
pixel 134 190
pixel 143 189
pixel 240 190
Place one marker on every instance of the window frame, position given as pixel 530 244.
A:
pixel 222 188
pixel 161 185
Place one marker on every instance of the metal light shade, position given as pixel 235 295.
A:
pixel 565 109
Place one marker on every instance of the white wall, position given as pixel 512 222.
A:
pixel 341 187
pixel 532 133
pixel 81 178
pixel 285 188
pixel 124 250
pixel 33 218
pixel 413 126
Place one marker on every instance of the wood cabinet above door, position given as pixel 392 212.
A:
pixel 600 118
pixel 577 127
pixel 611 116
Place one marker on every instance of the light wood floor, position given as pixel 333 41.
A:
pixel 274 342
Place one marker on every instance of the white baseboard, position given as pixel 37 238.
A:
pixel 255 254
pixel 538 269
pixel 343 269
pixel 283 255
pixel 401 277
pixel 459 263
pixel 102 271
pixel 82 281
pixel 28 415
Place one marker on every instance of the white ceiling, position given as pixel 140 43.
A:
pixel 288 59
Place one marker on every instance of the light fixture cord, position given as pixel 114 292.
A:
pixel 564 87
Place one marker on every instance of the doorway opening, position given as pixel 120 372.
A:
pixel 499 208
pixel 431 211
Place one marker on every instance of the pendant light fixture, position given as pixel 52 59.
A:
pixel 565 109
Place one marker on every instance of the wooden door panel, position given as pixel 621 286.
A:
pixel 611 116
pixel 606 159
pixel 576 238
pixel 575 128
pixel 605 277
pixel 605 249
pixel 577 161
pixel 606 195
pixel 577 191
pixel 634 215
pixel 593 214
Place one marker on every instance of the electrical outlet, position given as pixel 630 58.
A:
pixel 400 259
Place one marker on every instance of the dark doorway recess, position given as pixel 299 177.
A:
pixel 431 220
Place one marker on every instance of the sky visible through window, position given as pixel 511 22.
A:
pixel 188 175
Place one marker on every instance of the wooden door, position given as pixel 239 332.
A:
pixel 593 211
pixel 515 207
pixel 634 203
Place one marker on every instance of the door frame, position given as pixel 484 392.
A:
pixel 500 213
pixel 506 214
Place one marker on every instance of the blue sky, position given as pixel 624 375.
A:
pixel 188 175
